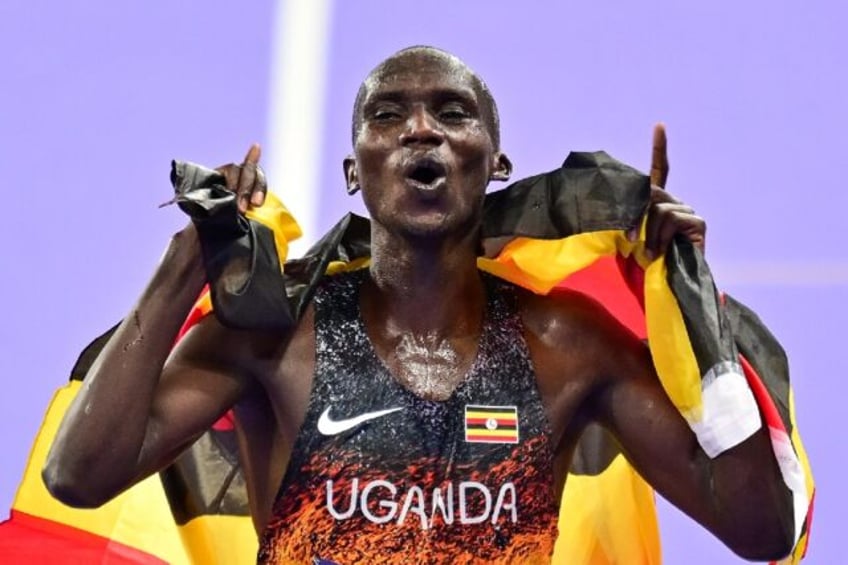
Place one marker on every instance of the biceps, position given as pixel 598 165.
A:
pixel 190 398
pixel 658 442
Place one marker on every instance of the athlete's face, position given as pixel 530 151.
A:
pixel 423 152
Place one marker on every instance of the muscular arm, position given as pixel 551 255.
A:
pixel 135 412
pixel 140 403
pixel 739 496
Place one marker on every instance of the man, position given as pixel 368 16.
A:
pixel 419 411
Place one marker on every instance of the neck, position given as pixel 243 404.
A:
pixel 426 286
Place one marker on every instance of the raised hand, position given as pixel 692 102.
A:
pixel 247 179
pixel 668 216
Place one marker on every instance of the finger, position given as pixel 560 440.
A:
pixel 687 226
pixel 260 188
pixel 659 157
pixel 658 222
pixel 659 226
pixel 658 196
pixel 666 221
pixel 652 229
pixel 246 182
pixel 231 175
pixel 669 228
pixel 253 155
pixel 661 196
pixel 247 177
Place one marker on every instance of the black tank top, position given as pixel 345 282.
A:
pixel 380 475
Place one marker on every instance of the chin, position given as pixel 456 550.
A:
pixel 425 230
pixel 438 228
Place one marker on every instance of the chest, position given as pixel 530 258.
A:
pixel 333 363
pixel 377 465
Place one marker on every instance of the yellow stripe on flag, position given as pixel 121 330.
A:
pixel 224 540
pixel 671 348
pixel 274 215
pixel 801 545
pixel 483 432
pixel 139 518
pixel 607 517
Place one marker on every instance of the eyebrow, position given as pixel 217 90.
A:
pixel 440 94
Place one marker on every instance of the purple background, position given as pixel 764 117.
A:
pixel 96 100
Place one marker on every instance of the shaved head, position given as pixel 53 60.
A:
pixel 399 62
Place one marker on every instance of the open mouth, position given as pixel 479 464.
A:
pixel 425 172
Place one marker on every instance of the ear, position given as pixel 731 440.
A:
pixel 502 169
pixel 349 165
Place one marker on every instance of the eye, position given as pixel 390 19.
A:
pixel 453 112
pixel 386 114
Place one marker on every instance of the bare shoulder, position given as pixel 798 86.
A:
pixel 569 323
pixel 576 347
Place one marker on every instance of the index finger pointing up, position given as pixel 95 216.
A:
pixel 253 154
pixel 659 157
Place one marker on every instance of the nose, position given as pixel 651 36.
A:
pixel 421 128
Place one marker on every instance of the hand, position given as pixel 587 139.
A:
pixel 668 216
pixel 246 180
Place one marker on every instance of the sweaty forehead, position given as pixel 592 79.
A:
pixel 421 70
pixel 417 70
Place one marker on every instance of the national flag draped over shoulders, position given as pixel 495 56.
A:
pixel 560 230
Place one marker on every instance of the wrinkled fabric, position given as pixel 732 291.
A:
pixel 545 229
pixel 562 229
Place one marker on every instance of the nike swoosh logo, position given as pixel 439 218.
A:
pixel 330 427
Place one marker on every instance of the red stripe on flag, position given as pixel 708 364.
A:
pixel 492 439
pixel 225 423
pixel 501 420
pixel 774 421
pixel 764 401
pixel 25 538
pixel 618 284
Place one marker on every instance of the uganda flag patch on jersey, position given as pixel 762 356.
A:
pixel 491 424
